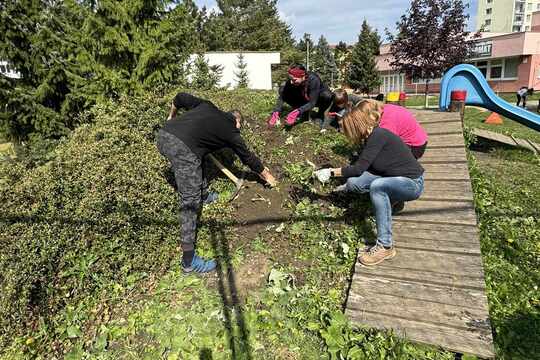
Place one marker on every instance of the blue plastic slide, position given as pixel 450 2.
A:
pixel 479 93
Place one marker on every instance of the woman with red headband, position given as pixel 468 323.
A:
pixel 303 91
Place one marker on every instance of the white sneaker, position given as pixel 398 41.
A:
pixel 323 131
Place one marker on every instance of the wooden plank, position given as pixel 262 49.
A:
pixel 461 166
pixel 442 152
pixel 446 140
pixel 471 298
pixel 524 144
pixel 422 276
pixel 448 126
pixel 436 230
pixel 411 242
pixel 458 188
pixel 462 316
pixel 449 213
pixel 418 262
pixel 462 176
pixel 423 332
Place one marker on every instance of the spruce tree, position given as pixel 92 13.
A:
pixel 204 76
pixel 342 54
pixel 242 75
pixel 247 25
pixel 323 61
pixel 362 73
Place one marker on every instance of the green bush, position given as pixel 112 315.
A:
pixel 97 213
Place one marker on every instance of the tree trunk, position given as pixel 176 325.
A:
pixel 426 102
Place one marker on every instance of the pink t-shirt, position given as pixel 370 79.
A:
pixel 401 122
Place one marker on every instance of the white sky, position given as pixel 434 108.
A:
pixel 342 21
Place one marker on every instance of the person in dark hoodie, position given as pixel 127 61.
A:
pixel 185 140
pixel 303 91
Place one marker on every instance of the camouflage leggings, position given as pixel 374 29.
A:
pixel 190 182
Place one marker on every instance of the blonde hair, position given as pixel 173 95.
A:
pixel 360 121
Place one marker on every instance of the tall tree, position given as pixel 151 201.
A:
pixel 431 38
pixel 362 72
pixel 342 54
pixel 204 76
pixel 306 46
pixel 242 75
pixel 323 61
pixel 73 53
pixel 247 25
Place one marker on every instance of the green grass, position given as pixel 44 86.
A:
pixel 506 197
pixel 475 118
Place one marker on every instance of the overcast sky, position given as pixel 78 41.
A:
pixel 341 21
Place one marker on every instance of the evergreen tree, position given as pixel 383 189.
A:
pixel 204 77
pixel 306 46
pixel 342 54
pixel 430 39
pixel 247 25
pixel 242 75
pixel 73 53
pixel 362 73
pixel 323 61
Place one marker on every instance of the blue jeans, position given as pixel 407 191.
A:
pixel 384 191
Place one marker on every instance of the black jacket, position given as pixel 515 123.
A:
pixel 204 129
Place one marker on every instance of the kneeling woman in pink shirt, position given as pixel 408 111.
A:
pixel 399 121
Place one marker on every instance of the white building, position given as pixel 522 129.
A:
pixel 258 67
pixel 8 71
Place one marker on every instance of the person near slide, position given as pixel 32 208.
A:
pixel 185 140
pixel 303 91
pixel 522 94
pixel 386 169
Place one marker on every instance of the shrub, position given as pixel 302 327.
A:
pixel 99 211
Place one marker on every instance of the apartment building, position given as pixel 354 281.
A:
pixel 502 16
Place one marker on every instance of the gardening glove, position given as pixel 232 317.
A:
pixel 293 115
pixel 340 188
pixel 274 119
pixel 323 175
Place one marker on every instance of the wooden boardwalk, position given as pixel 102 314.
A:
pixel 433 291
pixel 509 140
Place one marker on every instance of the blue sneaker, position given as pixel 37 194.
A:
pixel 199 266
pixel 211 198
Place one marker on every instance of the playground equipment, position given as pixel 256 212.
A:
pixel 479 93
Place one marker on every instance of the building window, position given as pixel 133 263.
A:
pixel 518 18
pixel 482 66
pixel 511 67
pixel 488 11
pixel 488 22
pixel 529 6
pixel 527 28
pixel 528 18
pixel 537 6
pixel 489 1
pixel 496 69
pixel 516 28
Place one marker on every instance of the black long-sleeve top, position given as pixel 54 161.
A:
pixel 309 90
pixel 385 154
pixel 204 128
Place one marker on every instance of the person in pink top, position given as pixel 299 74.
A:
pixel 399 121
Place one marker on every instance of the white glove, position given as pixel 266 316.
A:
pixel 340 188
pixel 323 175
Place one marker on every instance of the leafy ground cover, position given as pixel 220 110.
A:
pixel 96 276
